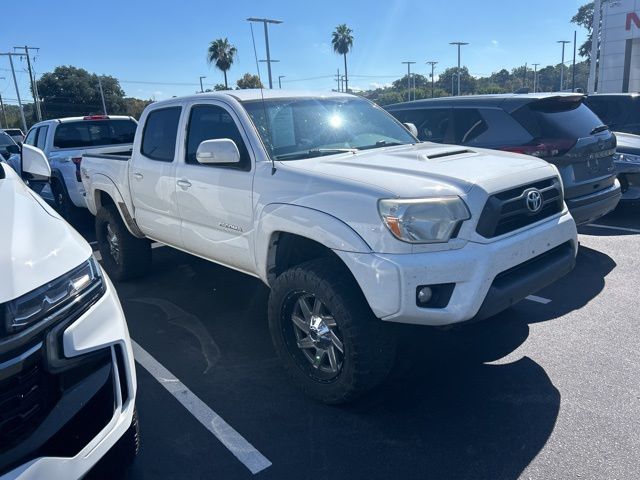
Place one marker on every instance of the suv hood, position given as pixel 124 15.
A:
pixel 426 169
pixel 36 245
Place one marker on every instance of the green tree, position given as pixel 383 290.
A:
pixel 467 82
pixel 133 107
pixel 70 91
pixel 584 18
pixel 342 41
pixel 221 53
pixel 249 81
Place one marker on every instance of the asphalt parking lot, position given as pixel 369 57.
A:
pixel 546 390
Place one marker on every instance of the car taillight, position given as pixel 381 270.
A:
pixel 551 148
pixel 77 161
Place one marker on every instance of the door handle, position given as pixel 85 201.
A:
pixel 138 176
pixel 184 183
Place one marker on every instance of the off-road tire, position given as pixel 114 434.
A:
pixel 134 254
pixel 369 344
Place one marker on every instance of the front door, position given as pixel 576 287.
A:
pixel 215 201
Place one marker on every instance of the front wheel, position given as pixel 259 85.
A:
pixel 330 342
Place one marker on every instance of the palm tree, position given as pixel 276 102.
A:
pixel 221 52
pixel 342 41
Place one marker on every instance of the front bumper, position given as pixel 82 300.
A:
pixel 389 282
pixel 100 402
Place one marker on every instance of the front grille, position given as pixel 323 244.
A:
pixel 25 399
pixel 507 211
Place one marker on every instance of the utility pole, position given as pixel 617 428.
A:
pixel 266 21
pixel 338 79
pixel 409 79
pixel 15 83
pixel 201 87
pixel 573 69
pixel 459 44
pixel 524 77
pixel 563 42
pixel 343 80
pixel 104 105
pixel 2 107
pixel 535 77
pixel 280 77
pixel 595 28
pixel 32 79
pixel 433 66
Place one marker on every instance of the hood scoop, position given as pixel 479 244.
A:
pixel 447 153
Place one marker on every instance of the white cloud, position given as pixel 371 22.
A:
pixel 495 42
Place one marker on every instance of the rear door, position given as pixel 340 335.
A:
pixel 215 201
pixel 433 124
pixel 152 176
pixel 568 134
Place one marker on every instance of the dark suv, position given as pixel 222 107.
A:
pixel 558 128
pixel 619 111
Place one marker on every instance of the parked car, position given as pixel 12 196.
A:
pixel 620 111
pixel 14 133
pixel 627 162
pixel 67 377
pixel 557 127
pixel 6 141
pixel 64 140
pixel 335 206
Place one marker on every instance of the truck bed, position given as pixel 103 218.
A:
pixel 109 172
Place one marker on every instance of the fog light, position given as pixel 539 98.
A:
pixel 424 295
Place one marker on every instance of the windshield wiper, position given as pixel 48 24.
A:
pixel 382 143
pixel 316 152
pixel 598 129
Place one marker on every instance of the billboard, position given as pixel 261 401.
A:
pixel 619 66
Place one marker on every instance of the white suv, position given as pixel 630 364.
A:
pixel 67 378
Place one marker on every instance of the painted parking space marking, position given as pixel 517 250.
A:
pixel 225 433
pixel 535 298
pixel 610 227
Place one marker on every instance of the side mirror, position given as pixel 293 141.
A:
pixel 222 150
pixel 35 165
pixel 412 128
pixel 13 148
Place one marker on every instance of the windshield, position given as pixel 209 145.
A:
pixel 93 133
pixel 310 127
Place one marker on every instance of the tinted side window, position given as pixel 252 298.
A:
pixel 433 124
pixel 31 137
pixel 159 135
pixel 469 125
pixel 209 122
pixel 42 137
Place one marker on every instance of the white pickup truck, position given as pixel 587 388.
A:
pixel 64 140
pixel 338 208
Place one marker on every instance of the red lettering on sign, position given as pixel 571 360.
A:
pixel 632 17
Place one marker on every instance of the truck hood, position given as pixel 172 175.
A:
pixel 628 143
pixel 36 245
pixel 426 169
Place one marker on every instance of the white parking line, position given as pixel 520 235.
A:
pixel 622 229
pixel 230 438
pixel 535 298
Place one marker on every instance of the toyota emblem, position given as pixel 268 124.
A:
pixel 533 199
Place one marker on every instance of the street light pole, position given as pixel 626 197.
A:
pixel 280 77
pixel 459 44
pixel 265 21
pixel 563 42
pixel 433 65
pixel 201 87
pixel 409 80
pixel 535 76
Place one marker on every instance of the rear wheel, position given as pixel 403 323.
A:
pixel 330 342
pixel 123 255
pixel 63 204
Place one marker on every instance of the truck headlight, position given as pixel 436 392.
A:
pixel 423 220
pixel 627 158
pixel 46 300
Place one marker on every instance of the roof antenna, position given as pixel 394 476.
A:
pixel 264 108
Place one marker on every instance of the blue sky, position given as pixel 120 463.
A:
pixel 158 48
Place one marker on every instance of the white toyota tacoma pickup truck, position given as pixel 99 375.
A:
pixel 351 221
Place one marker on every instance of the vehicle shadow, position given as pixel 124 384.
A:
pixel 623 221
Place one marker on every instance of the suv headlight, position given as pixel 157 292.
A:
pixel 51 297
pixel 423 220
pixel 626 157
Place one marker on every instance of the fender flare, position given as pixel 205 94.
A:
pixel 102 184
pixel 306 222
